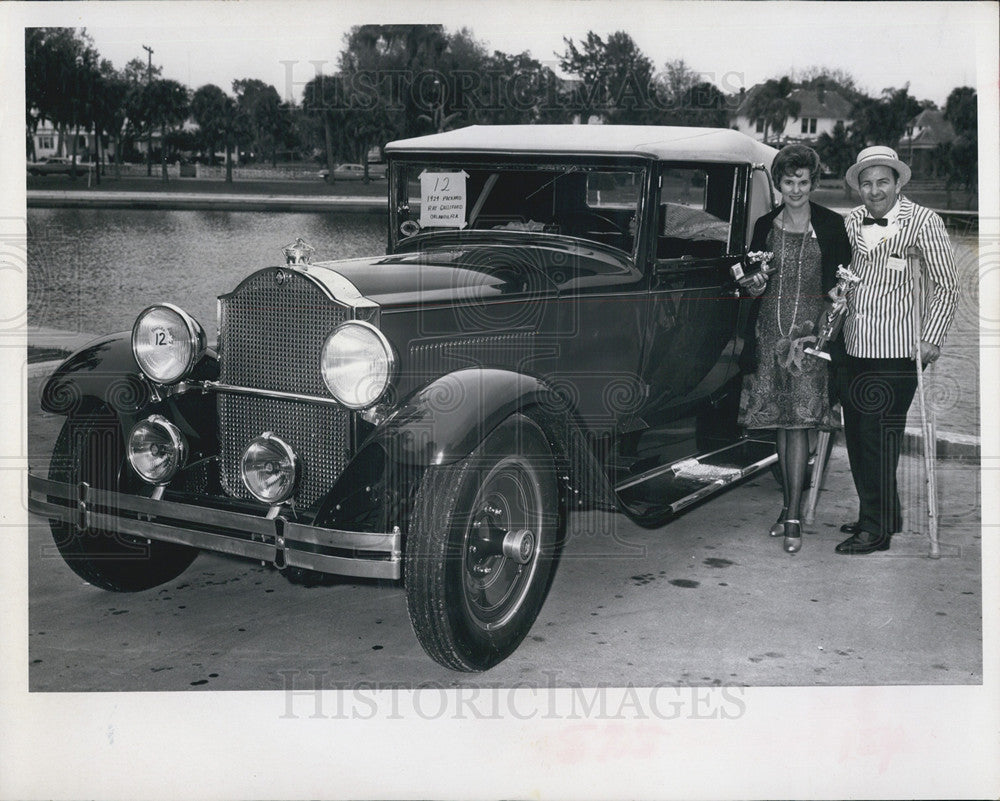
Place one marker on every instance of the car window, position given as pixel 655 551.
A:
pixel 695 210
pixel 599 204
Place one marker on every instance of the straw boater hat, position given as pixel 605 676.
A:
pixel 877 156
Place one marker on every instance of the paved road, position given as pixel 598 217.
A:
pixel 708 600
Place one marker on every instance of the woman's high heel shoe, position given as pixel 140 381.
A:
pixel 778 529
pixel 793 536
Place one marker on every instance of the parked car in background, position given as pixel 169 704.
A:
pixel 59 165
pixel 353 172
pixel 554 327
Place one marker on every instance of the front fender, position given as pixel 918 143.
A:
pixel 445 420
pixel 104 373
pixel 438 424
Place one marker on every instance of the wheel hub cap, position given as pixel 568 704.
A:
pixel 519 546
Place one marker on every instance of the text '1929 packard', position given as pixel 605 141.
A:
pixel 554 326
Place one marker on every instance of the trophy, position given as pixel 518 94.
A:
pixel 761 257
pixel 832 319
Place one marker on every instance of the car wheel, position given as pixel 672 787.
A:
pixel 481 548
pixel 91 448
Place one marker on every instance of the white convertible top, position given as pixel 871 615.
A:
pixel 657 141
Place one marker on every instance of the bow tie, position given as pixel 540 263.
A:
pixel 871 221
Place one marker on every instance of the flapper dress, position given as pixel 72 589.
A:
pixel 790 387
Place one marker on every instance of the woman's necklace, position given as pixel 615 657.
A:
pixel 781 273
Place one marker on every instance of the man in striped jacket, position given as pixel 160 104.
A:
pixel 877 379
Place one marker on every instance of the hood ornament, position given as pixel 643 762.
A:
pixel 298 253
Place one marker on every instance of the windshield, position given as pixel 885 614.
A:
pixel 595 203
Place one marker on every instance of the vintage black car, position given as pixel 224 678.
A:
pixel 554 326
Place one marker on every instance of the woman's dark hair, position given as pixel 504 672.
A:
pixel 791 159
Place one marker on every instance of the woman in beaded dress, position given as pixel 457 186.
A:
pixel 784 388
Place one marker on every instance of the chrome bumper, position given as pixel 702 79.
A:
pixel 276 539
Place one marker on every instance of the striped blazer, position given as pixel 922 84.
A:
pixel 879 322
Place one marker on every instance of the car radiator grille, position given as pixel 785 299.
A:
pixel 271 334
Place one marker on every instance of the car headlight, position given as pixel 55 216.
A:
pixel 156 449
pixel 357 364
pixel 269 469
pixel 167 343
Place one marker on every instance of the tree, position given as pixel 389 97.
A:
pixel 883 121
pixel 617 78
pixel 319 104
pixel 456 88
pixel 165 105
pixel 138 75
pixel 95 97
pixel 111 109
pixel 837 151
pixel 961 109
pixel 219 120
pixel 685 98
pixel 961 157
pixel 388 78
pixel 265 115
pixel 702 106
pixel 59 67
pixel 518 90
pixel 673 83
pixel 770 102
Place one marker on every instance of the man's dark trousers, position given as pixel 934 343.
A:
pixel 876 395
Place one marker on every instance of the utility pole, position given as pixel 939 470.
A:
pixel 149 132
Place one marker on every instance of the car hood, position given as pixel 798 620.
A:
pixel 468 272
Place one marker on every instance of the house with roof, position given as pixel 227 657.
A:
pixel 47 142
pixel 918 146
pixel 820 109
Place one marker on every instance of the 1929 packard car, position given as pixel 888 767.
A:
pixel 554 326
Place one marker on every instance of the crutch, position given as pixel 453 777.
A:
pixel 926 419
pixel 819 460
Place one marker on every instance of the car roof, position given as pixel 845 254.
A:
pixel 673 143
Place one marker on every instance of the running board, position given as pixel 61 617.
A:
pixel 667 489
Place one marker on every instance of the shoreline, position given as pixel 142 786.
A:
pixel 202 201
pixel 962 221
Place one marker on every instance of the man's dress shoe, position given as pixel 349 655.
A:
pixel 855 528
pixel 863 543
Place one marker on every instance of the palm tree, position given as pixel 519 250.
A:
pixel 220 120
pixel 110 116
pixel 318 104
pixel 837 151
pixel 166 105
pixel 770 103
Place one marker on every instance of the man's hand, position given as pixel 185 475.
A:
pixel 929 353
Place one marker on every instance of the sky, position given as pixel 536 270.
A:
pixel 930 45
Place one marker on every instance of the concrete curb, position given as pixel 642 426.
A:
pixel 950 445
pixel 193 201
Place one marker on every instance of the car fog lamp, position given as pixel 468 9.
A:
pixel 156 449
pixel 357 363
pixel 167 343
pixel 269 469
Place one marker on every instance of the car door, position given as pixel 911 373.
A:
pixel 691 336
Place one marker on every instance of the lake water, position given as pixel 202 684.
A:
pixel 92 270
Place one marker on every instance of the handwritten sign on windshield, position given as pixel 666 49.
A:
pixel 442 199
